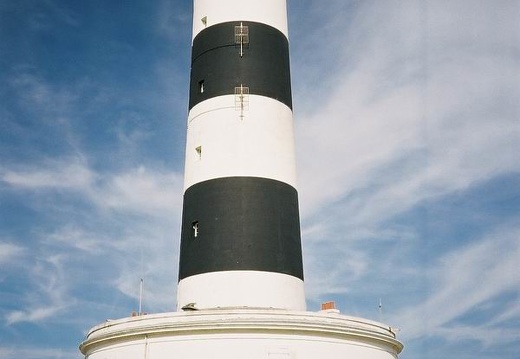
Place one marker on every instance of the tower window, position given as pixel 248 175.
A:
pixel 201 86
pixel 195 229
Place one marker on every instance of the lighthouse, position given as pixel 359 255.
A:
pixel 240 288
pixel 240 242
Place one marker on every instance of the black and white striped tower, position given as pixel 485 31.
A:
pixel 240 242
pixel 240 252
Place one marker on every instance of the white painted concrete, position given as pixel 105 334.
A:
pixel 238 334
pixel 242 289
pixel 270 12
pixel 221 143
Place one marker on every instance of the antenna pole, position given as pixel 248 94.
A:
pixel 140 297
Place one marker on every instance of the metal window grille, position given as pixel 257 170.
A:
pixel 241 98
pixel 241 37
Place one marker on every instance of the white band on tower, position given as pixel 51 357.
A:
pixel 211 12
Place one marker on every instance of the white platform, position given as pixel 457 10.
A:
pixel 241 333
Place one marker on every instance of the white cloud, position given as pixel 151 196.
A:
pixel 137 236
pixel 417 110
pixel 411 102
pixel 9 252
pixel 414 102
pixel 133 221
pixel 332 273
pixel 31 315
pixel 49 291
pixel 68 174
pixel 169 15
pixel 148 251
pixel 73 236
pixel 142 190
pixel 461 281
pixel 37 94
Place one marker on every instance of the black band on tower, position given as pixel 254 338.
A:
pixel 217 66
pixel 240 223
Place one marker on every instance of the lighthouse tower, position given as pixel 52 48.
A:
pixel 240 243
pixel 240 291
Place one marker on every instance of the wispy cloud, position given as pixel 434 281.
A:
pixel 35 93
pixel 54 174
pixel 416 105
pixel 461 282
pixel 399 107
pixel 132 220
pixel 135 190
pixel 142 190
pixel 75 237
pixel 49 295
pixel 169 15
pixel 395 116
pixel 9 252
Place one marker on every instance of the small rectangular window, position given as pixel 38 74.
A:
pixel 195 229
pixel 201 86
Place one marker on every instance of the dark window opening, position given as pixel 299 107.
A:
pixel 195 229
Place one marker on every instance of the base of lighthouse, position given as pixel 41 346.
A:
pixel 241 333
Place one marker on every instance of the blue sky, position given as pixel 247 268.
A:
pixel 407 127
